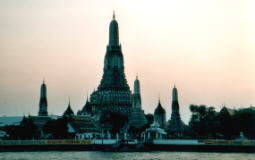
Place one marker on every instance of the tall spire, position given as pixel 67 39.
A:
pixel 113 91
pixel 113 76
pixel 174 94
pixel 113 32
pixel 175 124
pixel 137 118
pixel 43 101
pixel 136 86
pixel 137 102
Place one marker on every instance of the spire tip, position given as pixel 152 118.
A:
pixel 113 16
pixel 87 96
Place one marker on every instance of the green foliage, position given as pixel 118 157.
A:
pixel 203 122
pixel 57 128
pixel 150 119
pixel 244 120
pixel 227 125
pixel 26 130
pixel 114 121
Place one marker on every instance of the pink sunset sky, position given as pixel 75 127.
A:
pixel 205 48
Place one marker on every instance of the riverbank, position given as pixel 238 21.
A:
pixel 126 146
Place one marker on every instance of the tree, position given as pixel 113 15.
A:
pixel 114 121
pixel 25 130
pixel 150 119
pixel 57 128
pixel 203 122
pixel 227 125
pixel 244 120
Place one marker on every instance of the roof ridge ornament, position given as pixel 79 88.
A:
pixel 113 16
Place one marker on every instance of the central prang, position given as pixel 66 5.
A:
pixel 113 93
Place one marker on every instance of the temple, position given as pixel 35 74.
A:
pixel 113 93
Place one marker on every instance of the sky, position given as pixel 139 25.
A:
pixel 205 48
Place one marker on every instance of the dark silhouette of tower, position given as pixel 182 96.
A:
pixel 114 76
pixel 160 115
pixel 43 101
pixel 137 102
pixel 175 124
pixel 137 118
pixel 113 94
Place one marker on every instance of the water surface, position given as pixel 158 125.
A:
pixel 124 156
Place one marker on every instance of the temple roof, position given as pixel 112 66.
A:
pixel 159 109
pixel 68 111
pixel 87 107
pixel 84 124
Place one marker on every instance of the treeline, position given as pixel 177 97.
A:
pixel 206 123
pixel 53 129
pixel 25 130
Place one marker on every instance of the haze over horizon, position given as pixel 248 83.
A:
pixel 205 48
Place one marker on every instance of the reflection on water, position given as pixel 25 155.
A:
pixel 124 156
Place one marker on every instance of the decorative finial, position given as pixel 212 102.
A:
pixel 87 96
pixel 159 97
pixel 136 75
pixel 113 16
pixel 69 100
pixel 43 80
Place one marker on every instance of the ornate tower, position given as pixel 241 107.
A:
pixel 113 93
pixel 137 118
pixel 136 95
pixel 113 76
pixel 175 124
pixel 160 115
pixel 43 101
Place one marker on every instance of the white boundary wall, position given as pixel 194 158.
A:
pixel 104 141
pixel 177 142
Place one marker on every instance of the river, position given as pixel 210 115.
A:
pixel 124 156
